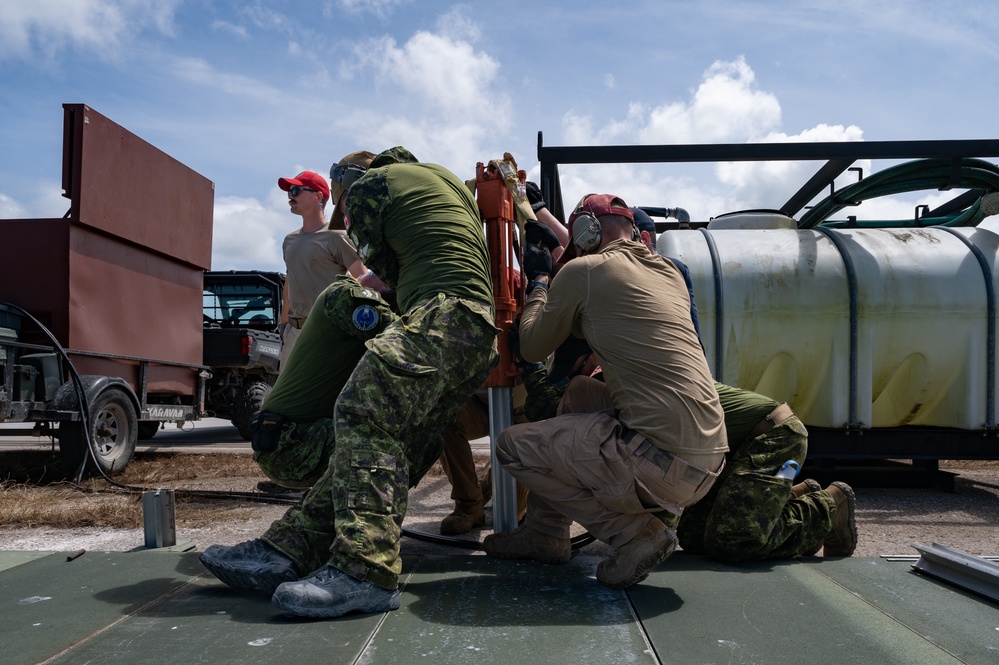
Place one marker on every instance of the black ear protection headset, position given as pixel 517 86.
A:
pixel 586 233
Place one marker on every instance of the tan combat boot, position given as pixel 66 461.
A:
pixel 635 559
pixel 806 486
pixel 528 543
pixel 467 515
pixel 842 538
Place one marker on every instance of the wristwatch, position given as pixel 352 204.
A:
pixel 535 283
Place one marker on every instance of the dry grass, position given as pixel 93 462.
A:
pixel 34 492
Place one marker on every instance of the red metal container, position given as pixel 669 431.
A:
pixel 121 274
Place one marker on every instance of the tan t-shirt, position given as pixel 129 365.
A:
pixel 633 308
pixel 312 261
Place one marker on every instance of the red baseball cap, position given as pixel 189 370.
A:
pixel 308 179
pixel 599 205
pixel 596 205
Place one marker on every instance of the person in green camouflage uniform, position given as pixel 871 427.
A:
pixel 334 342
pixel 750 514
pixel 401 381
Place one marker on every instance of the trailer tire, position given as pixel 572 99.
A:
pixel 114 432
pixel 248 404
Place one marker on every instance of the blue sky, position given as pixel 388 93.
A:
pixel 246 92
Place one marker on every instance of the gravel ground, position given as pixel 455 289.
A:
pixel 889 520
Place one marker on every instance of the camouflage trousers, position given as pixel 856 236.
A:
pixel 384 434
pixel 748 515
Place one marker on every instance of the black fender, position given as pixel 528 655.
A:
pixel 93 385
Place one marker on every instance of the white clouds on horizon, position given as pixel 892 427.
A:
pixel 436 93
pixel 248 233
pixel 379 8
pixel 439 91
pixel 231 28
pixel 42 28
pixel 11 209
pixel 203 73
pixel 726 107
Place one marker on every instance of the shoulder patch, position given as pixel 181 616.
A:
pixel 365 318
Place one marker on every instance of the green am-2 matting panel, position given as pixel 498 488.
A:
pixel 853 610
pixel 162 607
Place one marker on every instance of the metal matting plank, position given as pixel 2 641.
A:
pixel 207 622
pixel 479 610
pixel 12 559
pixel 51 604
pixel 699 611
pixel 962 623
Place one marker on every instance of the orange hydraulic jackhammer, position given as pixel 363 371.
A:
pixel 493 185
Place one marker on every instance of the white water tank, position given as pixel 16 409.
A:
pixel 852 327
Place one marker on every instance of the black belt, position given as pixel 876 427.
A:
pixel 663 458
pixel 774 418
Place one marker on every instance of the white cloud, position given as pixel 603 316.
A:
pixel 231 28
pixel 247 234
pixel 457 146
pixel 771 184
pixel 43 200
pixel 445 74
pixel 196 70
pixel 11 209
pixel 457 25
pixel 44 27
pixel 435 94
pixel 726 107
pixel 380 8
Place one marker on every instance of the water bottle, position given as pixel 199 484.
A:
pixel 789 470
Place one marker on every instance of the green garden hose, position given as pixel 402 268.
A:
pixel 911 176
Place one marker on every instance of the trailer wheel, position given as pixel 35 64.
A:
pixel 250 402
pixel 114 431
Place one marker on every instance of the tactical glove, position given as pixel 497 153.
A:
pixel 534 196
pixel 539 241
pixel 537 261
pixel 538 234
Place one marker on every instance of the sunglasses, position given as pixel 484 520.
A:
pixel 346 174
pixel 297 189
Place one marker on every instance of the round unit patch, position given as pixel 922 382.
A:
pixel 365 317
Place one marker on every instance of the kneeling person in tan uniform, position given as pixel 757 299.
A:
pixel 663 445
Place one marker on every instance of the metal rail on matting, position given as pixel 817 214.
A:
pixel 965 570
